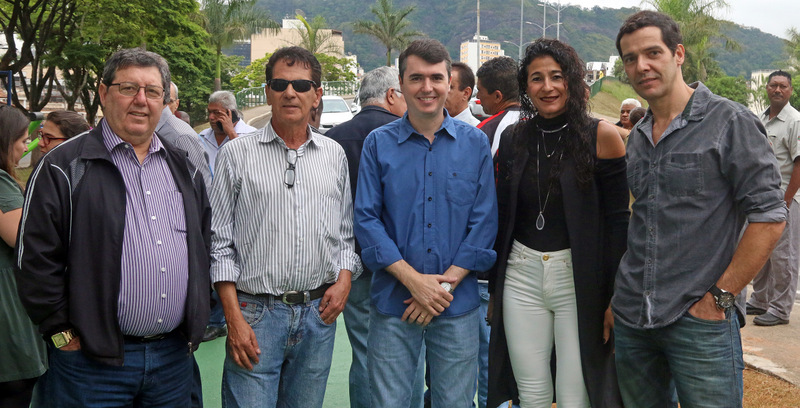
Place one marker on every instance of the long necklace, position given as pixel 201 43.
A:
pixel 540 218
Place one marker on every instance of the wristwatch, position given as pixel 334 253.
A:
pixel 63 338
pixel 447 286
pixel 725 299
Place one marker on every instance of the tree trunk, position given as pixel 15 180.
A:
pixel 218 78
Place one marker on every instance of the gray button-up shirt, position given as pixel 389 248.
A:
pixel 712 169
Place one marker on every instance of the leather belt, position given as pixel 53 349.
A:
pixel 297 297
pixel 146 339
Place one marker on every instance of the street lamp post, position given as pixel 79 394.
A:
pixel 521 18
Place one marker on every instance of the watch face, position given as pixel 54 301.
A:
pixel 726 300
pixel 447 286
pixel 59 340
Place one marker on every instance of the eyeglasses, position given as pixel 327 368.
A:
pixel 132 89
pixel 299 85
pixel 288 176
pixel 46 139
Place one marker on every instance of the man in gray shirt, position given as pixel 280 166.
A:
pixel 698 166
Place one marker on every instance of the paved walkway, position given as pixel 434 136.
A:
pixel 774 350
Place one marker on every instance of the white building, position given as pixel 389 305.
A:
pixel 489 50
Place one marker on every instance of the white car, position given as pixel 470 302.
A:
pixel 475 106
pixel 334 111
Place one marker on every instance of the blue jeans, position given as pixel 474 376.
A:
pixel 155 374
pixel 483 350
pixel 296 351
pixel 394 358
pixel 356 321
pixel 698 362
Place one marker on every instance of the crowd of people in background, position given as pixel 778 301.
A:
pixel 538 256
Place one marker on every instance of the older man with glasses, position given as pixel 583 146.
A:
pixel 113 251
pixel 283 254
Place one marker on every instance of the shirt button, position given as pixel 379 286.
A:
pixel 429 225
pixel 545 257
pixel 158 242
pixel 163 269
pixel 652 165
pixel 147 192
pixel 160 321
pixel 651 196
pixel 429 250
pixel 153 217
pixel 647 293
pixel 430 149
pixel 163 296
pixel 430 173
pixel 430 198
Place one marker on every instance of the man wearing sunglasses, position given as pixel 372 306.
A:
pixel 116 273
pixel 283 253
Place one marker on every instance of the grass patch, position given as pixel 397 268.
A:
pixel 607 101
pixel 765 391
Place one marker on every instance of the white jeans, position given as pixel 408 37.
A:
pixel 539 307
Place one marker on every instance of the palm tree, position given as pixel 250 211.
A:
pixel 230 20
pixel 315 38
pixel 700 29
pixel 793 49
pixel 390 29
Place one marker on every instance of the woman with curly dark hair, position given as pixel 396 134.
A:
pixel 563 205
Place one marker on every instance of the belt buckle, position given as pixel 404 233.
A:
pixel 284 296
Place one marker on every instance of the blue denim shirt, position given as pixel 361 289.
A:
pixel 712 169
pixel 430 204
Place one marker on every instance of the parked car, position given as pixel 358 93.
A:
pixel 475 106
pixel 334 111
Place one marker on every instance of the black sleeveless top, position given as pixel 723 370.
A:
pixel 540 191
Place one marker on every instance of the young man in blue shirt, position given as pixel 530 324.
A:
pixel 426 218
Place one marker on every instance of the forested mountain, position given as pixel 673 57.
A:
pixel 591 31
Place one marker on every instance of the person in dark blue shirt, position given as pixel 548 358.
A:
pixel 426 218
pixel 381 103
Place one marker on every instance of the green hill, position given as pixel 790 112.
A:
pixel 591 31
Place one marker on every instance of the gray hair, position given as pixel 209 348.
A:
pixel 631 101
pixel 225 98
pixel 375 83
pixel 137 57
pixel 174 97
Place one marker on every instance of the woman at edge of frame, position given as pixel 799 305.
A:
pixel 563 198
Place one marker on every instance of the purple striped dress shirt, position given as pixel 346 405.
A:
pixel 155 267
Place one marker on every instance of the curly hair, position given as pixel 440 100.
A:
pixel 579 147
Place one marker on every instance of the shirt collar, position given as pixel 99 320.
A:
pixel 448 127
pixel 268 135
pixel 111 140
pixel 782 115
pixel 697 106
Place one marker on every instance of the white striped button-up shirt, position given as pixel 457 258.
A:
pixel 155 258
pixel 268 238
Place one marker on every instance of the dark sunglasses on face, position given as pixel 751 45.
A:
pixel 299 85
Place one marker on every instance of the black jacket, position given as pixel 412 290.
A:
pixel 351 135
pixel 597 221
pixel 70 245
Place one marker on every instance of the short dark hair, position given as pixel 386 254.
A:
pixel 137 57
pixel 465 76
pixel 500 73
pixel 637 114
pixel 430 50
pixel 14 125
pixel 292 55
pixel 670 31
pixel 68 122
pixel 780 73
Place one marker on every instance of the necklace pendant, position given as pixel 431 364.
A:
pixel 540 221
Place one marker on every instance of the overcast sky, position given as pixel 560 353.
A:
pixel 771 16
